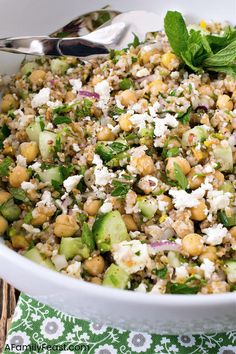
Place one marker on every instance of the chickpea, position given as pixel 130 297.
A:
pixel 94 266
pixel 224 102
pixel 9 102
pixel 232 231
pixel 96 280
pixel 194 181
pixel 96 80
pixel 198 213
pixel 65 226
pixel 169 61
pixel 144 164
pixel 18 175
pixel 170 167
pixel 206 90
pixel 219 179
pixel 168 201
pixel 4 196
pixel 183 227
pixel 125 122
pixel 38 220
pixel 157 86
pixel 37 77
pixel 19 242
pixel 210 253
pixel 129 222
pixel 70 96
pixel 41 214
pixel 146 55
pixel 118 204
pixel 105 134
pixel 192 244
pixel 128 98
pixel 29 150
pixel 92 206
pixel 3 225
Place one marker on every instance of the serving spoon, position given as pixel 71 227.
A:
pixel 114 34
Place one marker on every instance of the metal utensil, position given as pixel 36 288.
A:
pixel 86 23
pixel 115 34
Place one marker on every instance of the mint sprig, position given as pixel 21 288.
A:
pixel 198 51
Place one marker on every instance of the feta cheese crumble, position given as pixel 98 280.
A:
pixel 182 199
pixel 162 124
pixel 215 234
pixel 71 182
pixel 218 200
pixel 41 98
pixel 103 89
pixel 21 161
pixel 76 85
pixel 28 186
pixel 106 207
pixel 132 256
pixel 208 268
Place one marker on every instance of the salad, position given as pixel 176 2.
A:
pixel 121 171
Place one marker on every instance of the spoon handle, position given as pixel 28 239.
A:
pixel 44 45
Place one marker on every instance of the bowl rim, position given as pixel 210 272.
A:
pixel 127 296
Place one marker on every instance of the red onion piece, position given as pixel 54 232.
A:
pixel 148 78
pixel 89 94
pixel 165 246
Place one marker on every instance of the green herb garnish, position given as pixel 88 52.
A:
pixel 125 84
pixel 198 51
pixel 61 120
pixel 115 111
pixel 120 189
pixel 85 109
pixel 87 237
pixel 4 133
pixel 19 194
pixel 136 42
pixel 4 166
pixel 180 176
pixel 184 117
pixel 161 273
pixel 109 151
pixel 227 221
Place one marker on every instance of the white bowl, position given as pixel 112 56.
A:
pixel 170 314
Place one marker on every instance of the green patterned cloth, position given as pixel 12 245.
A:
pixel 37 328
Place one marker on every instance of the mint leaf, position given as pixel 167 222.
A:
pixel 177 288
pixel 176 31
pixel 219 42
pixel 19 194
pixel 87 237
pixel 115 111
pixel 85 109
pixel 4 133
pixel 224 57
pixel 184 117
pixel 180 176
pixel 4 166
pixel 136 42
pixel 108 151
pixel 61 120
pixel 125 84
pixel 161 273
pixel 120 190
pixel 227 221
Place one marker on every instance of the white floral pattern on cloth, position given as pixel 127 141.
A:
pixel 35 324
